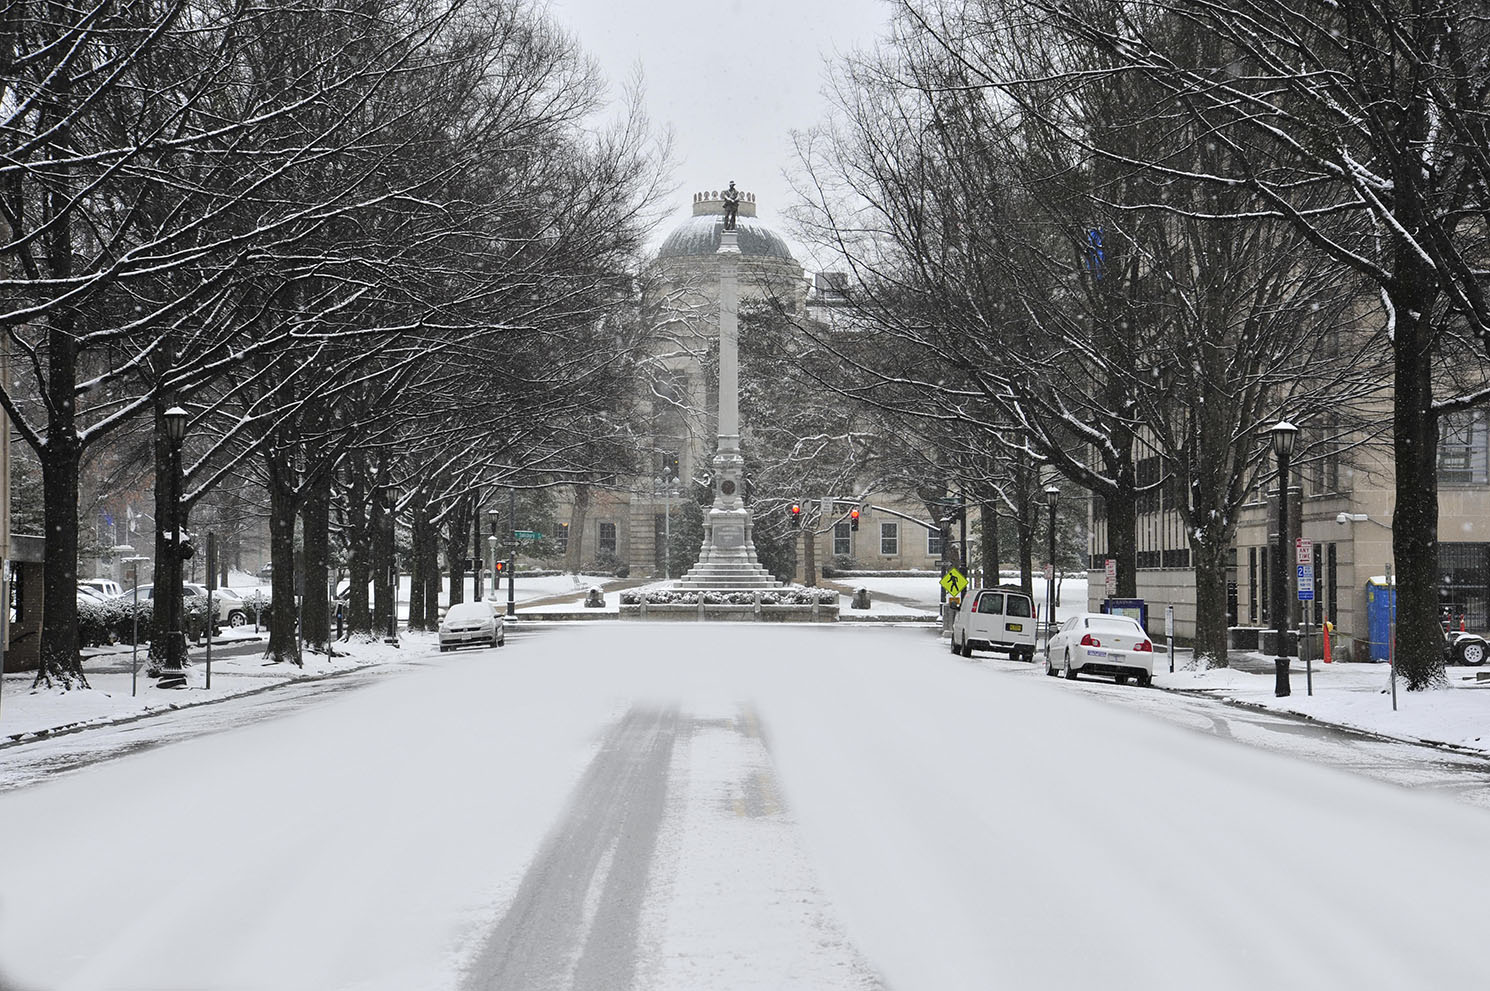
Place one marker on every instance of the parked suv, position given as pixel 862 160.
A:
pixel 1000 618
pixel 106 587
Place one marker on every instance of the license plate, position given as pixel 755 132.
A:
pixel 1014 627
pixel 1095 653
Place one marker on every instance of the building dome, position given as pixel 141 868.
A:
pixel 700 234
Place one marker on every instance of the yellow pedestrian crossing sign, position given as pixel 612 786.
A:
pixel 954 582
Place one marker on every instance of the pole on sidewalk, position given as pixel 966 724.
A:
pixel 1392 633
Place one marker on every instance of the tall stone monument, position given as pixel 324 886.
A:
pixel 728 557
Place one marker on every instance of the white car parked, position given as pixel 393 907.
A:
pixel 1001 618
pixel 476 623
pixel 1099 643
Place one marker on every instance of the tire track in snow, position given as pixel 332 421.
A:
pixel 573 922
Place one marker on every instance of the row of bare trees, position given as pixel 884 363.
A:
pixel 375 249
pixel 1089 233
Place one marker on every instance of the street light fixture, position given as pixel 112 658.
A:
pixel 1052 496
pixel 1284 435
pixel 173 673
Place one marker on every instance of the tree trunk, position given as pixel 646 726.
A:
pixel 385 582
pixel 418 568
pixel 1025 525
pixel 388 555
pixel 989 540
pixel 431 575
pixel 284 643
pixel 167 565
pixel 359 549
pixel 1122 539
pixel 1418 653
pixel 59 631
pixel 455 554
pixel 574 555
pixel 1209 559
pixel 315 516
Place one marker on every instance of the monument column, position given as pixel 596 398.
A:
pixel 728 558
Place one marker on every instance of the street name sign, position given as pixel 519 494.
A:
pixel 527 534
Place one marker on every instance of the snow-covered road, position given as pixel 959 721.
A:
pixel 726 807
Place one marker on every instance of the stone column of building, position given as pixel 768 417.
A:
pixel 728 558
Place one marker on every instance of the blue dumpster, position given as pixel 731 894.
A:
pixel 1381 611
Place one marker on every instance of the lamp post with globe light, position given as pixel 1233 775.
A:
pixel 1284 434
pixel 173 673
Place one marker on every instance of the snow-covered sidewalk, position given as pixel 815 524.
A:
pixel 1354 695
pixel 116 694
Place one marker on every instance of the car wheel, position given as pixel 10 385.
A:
pixel 1070 674
pixel 952 642
pixel 502 640
pixel 237 618
pixel 1471 652
pixel 967 647
pixel 443 648
pixel 1120 679
pixel 1145 680
pixel 1050 671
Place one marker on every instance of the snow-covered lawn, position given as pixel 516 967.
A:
pixel 844 794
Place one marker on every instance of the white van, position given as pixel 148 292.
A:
pixel 1000 618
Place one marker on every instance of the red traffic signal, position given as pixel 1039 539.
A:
pixel 853 519
pixel 501 566
pixel 796 511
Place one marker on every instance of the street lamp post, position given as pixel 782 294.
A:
pixel 492 515
pixel 1284 434
pixel 1052 496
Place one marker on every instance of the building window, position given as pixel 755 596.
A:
pixel 934 543
pixel 1252 584
pixel 843 540
pixel 1318 574
pixel 1331 585
pixel 1267 590
pixel 562 538
pixel 1462 449
pixel 607 538
pixel 889 539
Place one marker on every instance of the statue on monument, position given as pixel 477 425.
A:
pixel 731 206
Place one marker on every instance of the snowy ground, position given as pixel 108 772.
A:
pixel 730 807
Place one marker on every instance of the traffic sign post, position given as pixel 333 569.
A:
pixel 1303 550
pixel 1110 577
pixel 1169 634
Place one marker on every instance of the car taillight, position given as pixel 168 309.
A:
pixel 1090 641
pixel 1144 645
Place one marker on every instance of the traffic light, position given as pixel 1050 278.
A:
pixel 853 519
pixel 796 512
pixel 501 566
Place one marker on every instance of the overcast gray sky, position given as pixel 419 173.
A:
pixel 732 78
